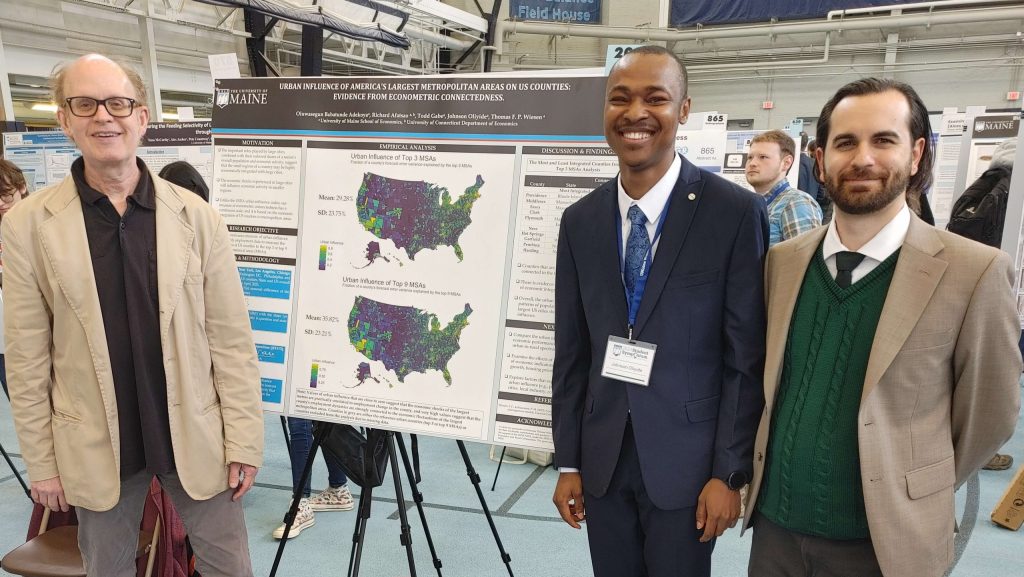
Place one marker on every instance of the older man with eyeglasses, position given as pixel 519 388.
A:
pixel 129 350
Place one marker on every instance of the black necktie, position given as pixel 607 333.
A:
pixel 846 261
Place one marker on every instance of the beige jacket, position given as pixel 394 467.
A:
pixel 58 366
pixel 941 392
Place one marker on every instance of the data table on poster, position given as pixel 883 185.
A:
pixel 552 179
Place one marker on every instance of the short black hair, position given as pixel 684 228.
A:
pixel 920 126
pixel 185 175
pixel 658 50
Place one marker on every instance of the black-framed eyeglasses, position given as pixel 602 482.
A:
pixel 86 106
pixel 7 195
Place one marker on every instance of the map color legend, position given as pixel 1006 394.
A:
pixel 313 374
pixel 323 257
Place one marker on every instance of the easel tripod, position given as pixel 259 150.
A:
pixel 366 499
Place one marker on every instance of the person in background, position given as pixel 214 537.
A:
pixel 979 215
pixel 892 365
pixel 336 497
pixel 13 188
pixel 129 348
pixel 186 176
pixel 790 211
pixel 808 181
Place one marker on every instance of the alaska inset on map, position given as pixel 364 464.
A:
pixel 405 339
pixel 414 214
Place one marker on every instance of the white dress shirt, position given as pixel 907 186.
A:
pixel 880 247
pixel 651 204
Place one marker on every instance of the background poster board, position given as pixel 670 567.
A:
pixel 46 157
pixel 947 159
pixel 702 140
pixel 986 132
pixel 396 239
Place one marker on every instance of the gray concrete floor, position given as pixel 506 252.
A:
pixel 539 543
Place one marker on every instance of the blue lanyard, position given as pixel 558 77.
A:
pixel 633 300
pixel 776 191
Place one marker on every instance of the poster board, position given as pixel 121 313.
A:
pixel 702 140
pixel 951 130
pixel 396 240
pixel 46 157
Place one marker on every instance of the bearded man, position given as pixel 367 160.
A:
pixel 892 365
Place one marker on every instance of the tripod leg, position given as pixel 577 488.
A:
pixel 289 517
pixel 501 460
pixel 287 437
pixel 406 536
pixel 418 498
pixel 16 473
pixel 359 535
pixel 474 477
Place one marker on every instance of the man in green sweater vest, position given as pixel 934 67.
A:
pixel 892 362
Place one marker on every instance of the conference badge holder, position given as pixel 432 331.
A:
pixel 628 360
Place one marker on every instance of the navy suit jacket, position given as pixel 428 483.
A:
pixel 703 307
pixel 809 184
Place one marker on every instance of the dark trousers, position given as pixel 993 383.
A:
pixel 631 537
pixel 779 552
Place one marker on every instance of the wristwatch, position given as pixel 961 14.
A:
pixel 736 480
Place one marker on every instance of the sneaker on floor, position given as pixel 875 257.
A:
pixel 303 520
pixel 999 463
pixel 333 499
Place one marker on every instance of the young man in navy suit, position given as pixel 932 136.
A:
pixel 659 340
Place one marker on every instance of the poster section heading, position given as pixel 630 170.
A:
pixel 415 106
pixel 177 134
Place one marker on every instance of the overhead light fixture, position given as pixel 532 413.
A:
pixel 44 107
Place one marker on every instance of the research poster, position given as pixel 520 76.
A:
pixel 396 239
pixel 986 133
pixel 46 157
pixel 167 142
pixel 947 160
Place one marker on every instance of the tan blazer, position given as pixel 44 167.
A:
pixel 58 366
pixel 941 392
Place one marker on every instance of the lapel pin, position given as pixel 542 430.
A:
pixel 692 196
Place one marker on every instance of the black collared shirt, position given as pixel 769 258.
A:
pixel 123 249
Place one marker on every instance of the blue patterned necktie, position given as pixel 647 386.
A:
pixel 637 246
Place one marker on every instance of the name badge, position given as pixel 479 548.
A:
pixel 629 361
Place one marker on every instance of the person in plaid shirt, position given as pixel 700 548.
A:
pixel 790 211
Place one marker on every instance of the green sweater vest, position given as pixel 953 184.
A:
pixel 812 481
